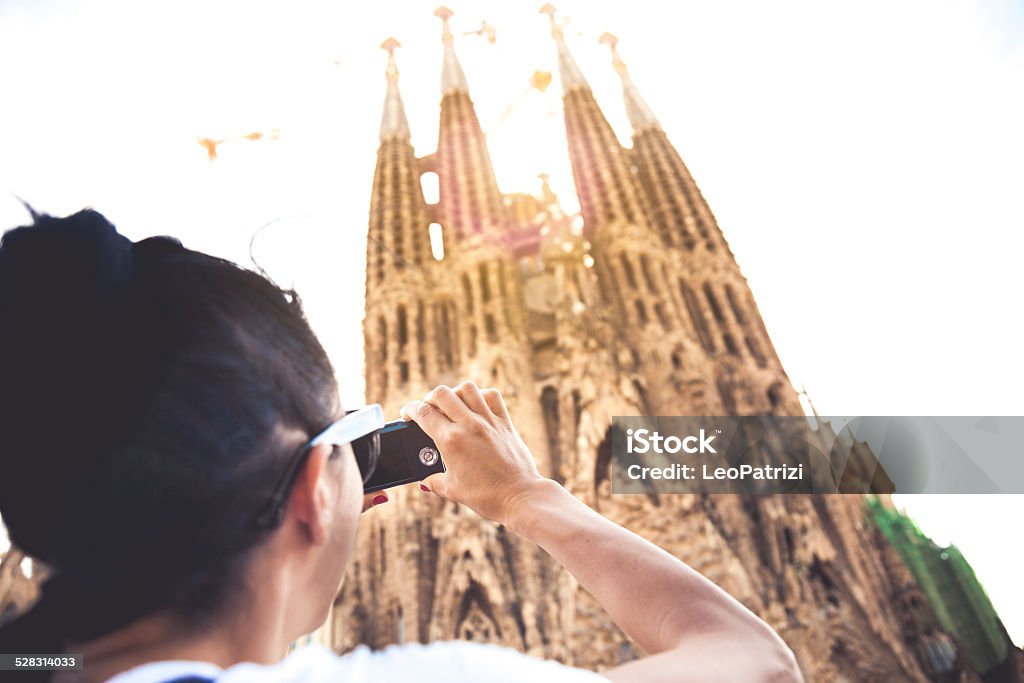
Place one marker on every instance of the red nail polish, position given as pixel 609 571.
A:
pixel 380 499
pixel 424 488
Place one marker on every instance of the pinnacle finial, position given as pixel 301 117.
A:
pixel 640 115
pixel 390 45
pixel 452 77
pixel 549 201
pixel 550 10
pixel 608 39
pixel 444 14
pixel 612 42
pixel 393 123
pixel 567 67
pixel 546 193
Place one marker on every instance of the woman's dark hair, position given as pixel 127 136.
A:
pixel 145 390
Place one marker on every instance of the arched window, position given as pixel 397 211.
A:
pixel 452 318
pixel 788 544
pixel 382 357
pixel 467 289
pixel 641 393
pixel 734 303
pixel 502 273
pixel 775 396
pixel 697 315
pixel 627 269
pixel 485 284
pixel 648 272
pixel 444 333
pixel 730 344
pixel 659 310
pixel 421 336
pixel 603 464
pixel 713 302
pixel 819 575
pixel 491 327
pixel 552 425
pixel 577 409
pixel 430 186
pixel 403 328
pixel 641 312
pixel 755 351
pixel 725 393
pixel 436 241
pixel 382 339
pixel 476 617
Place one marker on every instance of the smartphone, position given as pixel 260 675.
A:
pixel 407 454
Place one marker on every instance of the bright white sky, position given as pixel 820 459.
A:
pixel 863 158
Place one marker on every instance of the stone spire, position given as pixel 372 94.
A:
pixel 568 70
pixel 471 203
pixel 713 293
pixel 452 76
pixel 640 115
pixel 607 190
pixel 398 235
pixel 393 123
pixel 675 204
pixel 398 254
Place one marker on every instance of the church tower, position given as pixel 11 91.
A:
pixel 630 259
pixel 748 378
pixel 398 251
pixel 425 569
pixel 634 307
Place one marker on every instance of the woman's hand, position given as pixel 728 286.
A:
pixel 373 499
pixel 489 468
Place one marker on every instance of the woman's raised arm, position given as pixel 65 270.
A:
pixel 693 630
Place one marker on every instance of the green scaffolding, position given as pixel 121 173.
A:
pixel 950 586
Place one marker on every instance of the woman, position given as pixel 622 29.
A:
pixel 152 401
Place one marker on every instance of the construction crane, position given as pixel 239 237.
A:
pixel 211 144
pixel 486 30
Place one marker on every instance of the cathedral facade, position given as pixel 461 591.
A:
pixel 639 310
pixel 635 307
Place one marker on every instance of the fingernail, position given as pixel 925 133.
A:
pixel 380 499
pixel 424 488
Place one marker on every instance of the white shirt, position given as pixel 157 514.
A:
pixel 443 662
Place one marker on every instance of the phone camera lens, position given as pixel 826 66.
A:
pixel 428 456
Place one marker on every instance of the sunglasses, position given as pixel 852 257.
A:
pixel 360 428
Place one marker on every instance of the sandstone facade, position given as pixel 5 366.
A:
pixel 641 309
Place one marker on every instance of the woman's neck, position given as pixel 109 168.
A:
pixel 247 635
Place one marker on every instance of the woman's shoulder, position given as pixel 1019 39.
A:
pixel 444 662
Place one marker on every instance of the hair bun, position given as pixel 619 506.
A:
pixel 66 363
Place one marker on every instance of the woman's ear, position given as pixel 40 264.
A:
pixel 311 498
